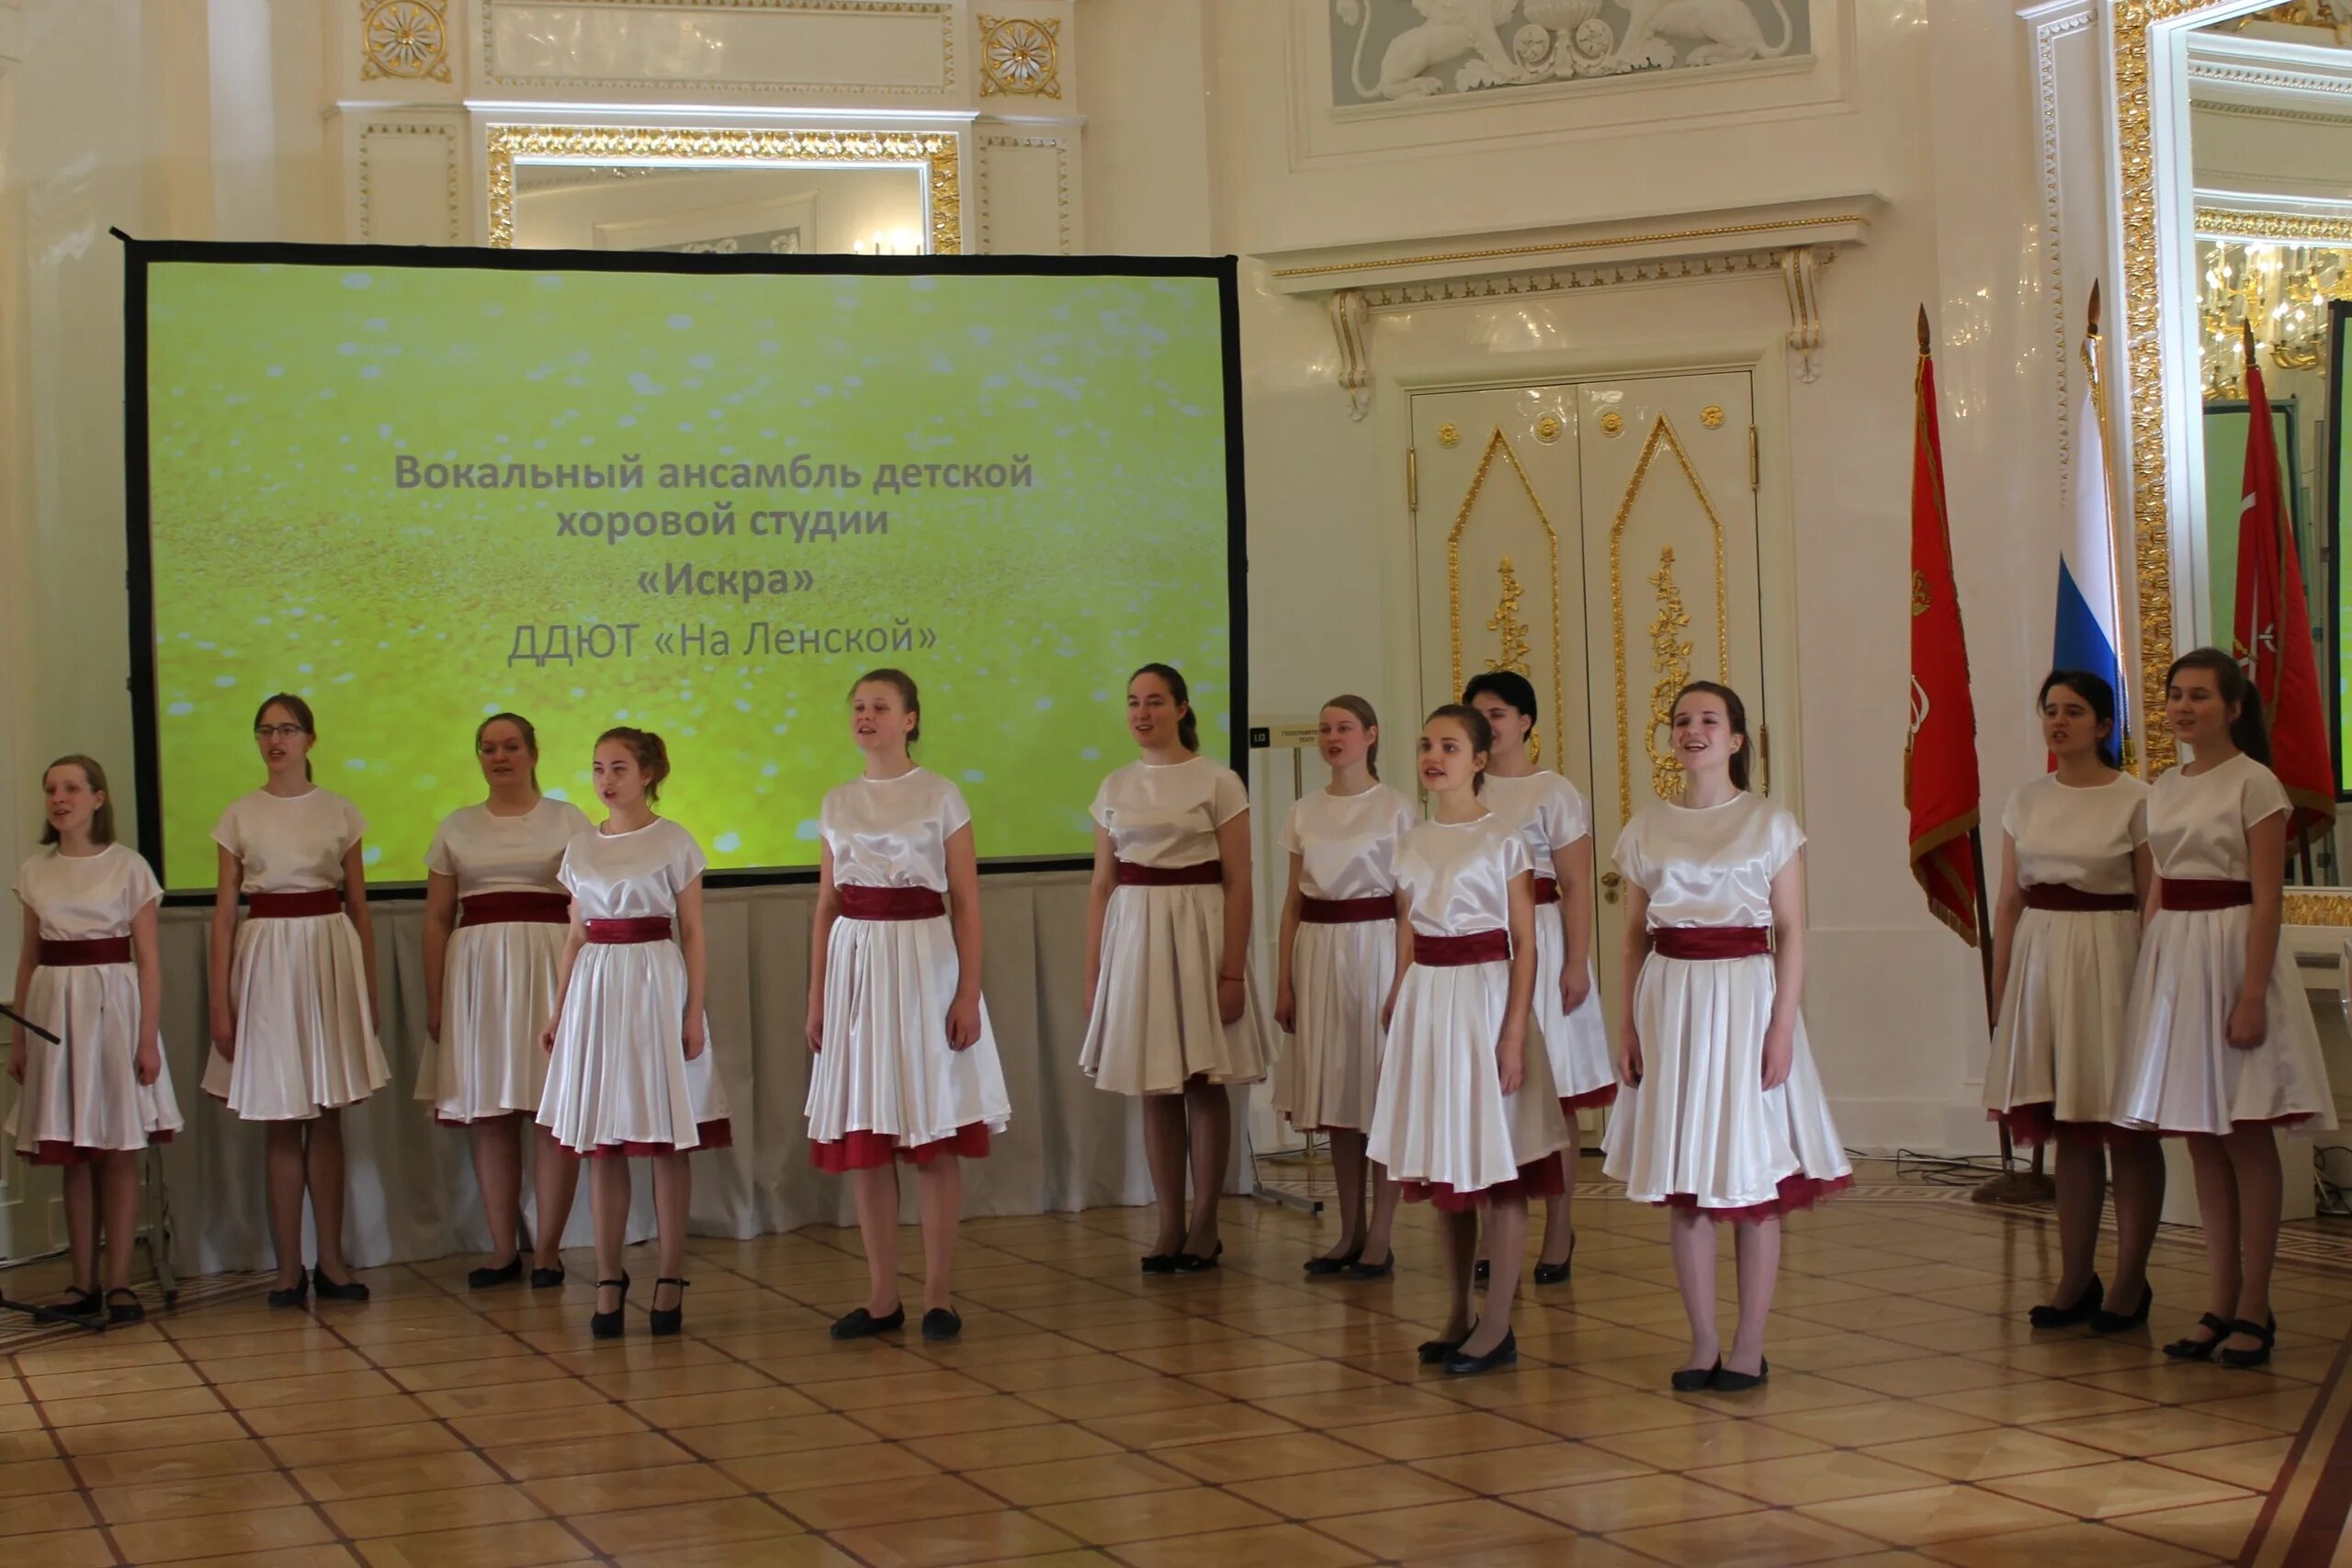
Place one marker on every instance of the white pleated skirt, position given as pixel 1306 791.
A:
pixel 1442 1120
pixel 1340 975
pixel 499 993
pixel 1701 1129
pixel 619 1082
pixel 2179 1072
pixel 305 1040
pixel 83 1096
pixel 1154 1022
pixel 1578 1042
pixel 2061 1030
pixel 886 1071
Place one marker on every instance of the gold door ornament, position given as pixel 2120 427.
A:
pixel 404 40
pixel 1662 437
pixel 1507 611
pixel 1670 658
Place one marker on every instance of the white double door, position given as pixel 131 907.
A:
pixel 1598 538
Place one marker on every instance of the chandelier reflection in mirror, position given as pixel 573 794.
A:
pixel 2281 290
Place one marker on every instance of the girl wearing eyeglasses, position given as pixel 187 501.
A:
pixel 294 991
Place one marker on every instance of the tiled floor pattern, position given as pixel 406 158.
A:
pixel 1235 1418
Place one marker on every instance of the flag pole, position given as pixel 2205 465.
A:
pixel 2133 754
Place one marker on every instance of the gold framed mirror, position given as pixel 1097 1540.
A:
pixel 793 192
pixel 2233 153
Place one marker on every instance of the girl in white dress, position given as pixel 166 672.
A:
pixel 2074 868
pixel 1723 1117
pixel 2220 1045
pixel 495 917
pixel 1337 959
pixel 1174 1016
pixel 1468 1117
pixel 630 1071
pixel 905 1064
pixel 89 974
pixel 294 991
pixel 1556 820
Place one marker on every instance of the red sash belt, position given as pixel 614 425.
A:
pixel 86 952
pixel 642 927
pixel 1206 873
pixel 2190 893
pixel 294 906
pixel 1548 890
pixel 516 908
pixel 1704 943
pixel 1459 952
pixel 1347 912
pixel 861 903
pixel 2072 900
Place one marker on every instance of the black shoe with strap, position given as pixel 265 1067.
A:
pixel 670 1319
pixel 123 1306
pixel 2200 1350
pixel 2246 1361
pixel 607 1325
pixel 2105 1321
pixel 2087 1301
pixel 79 1302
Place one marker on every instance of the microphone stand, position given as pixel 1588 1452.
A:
pixel 96 1324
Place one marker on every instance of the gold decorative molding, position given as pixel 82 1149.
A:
pixel 1800 276
pixel 451 182
pixel 1612 423
pixel 1347 308
pixel 2276 228
pixel 1448 433
pixel 933 153
pixel 1661 436
pixel 1547 429
pixel 1060 146
pixel 1712 416
pixel 1497 444
pixel 1021 57
pixel 404 40
pixel 2298 907
pixel 1670 662
pixel 1508 629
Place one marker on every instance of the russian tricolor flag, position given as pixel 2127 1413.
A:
pixel 2090 633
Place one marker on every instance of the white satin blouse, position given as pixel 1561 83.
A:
pixel 1457 875
pixel 892 832
pixel 488 854
pixel 1549 812
pixel 87 897
pixel 2078 837
pixel 631 877
pixel 290 843
pixel 1709 865
pixel 1347 843
pixel 2197 822
pixel 1168 814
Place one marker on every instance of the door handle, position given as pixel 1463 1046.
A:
pixel 1609 882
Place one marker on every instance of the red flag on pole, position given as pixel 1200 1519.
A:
pixel 2273 629
pixel 1939 783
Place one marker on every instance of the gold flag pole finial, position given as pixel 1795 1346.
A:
pixel 2245 331
pixel 1923 329
pixel 2094 306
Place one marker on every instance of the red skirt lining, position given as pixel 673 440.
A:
pixel 861 1150
pixel 712 1135
pixel 1590 1100
pixel 1797 1191
pixel 1545 1178
pixel 51 1151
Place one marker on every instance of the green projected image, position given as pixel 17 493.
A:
pixel 700 503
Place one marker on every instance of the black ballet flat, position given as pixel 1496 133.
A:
pixel 2104 1322
pixel 1380 1270
pixel 668 1320
pixel 1557 1273
pixel 488 1279
pixel 2084 1309
pixel 328 1291
pixel 79 1302
pixel 1194 1262
pixel 126 1310
pixel 1462 1365
pixel 608 1324
pixel 1729 1382
pixel 2187 1350
pixel 1481 1272
pixel 1690 1380
pixel 1437 1352
pixel 941 1324
pixel 293 1295
pixel 547 1278
pixel 864 1324
pixel 1160 1262
pixel 2246 1360
pixel 1323 1268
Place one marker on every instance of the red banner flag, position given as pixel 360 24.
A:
pixel 1939 783
pixel 2274 626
